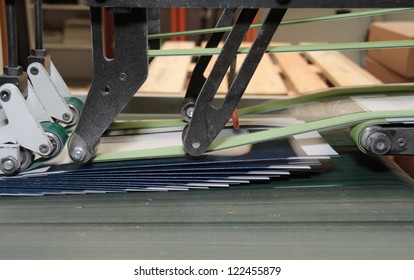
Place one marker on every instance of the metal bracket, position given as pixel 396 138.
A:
pixel 44 88
pixel 115 80
pixel 391 139
pixel 22 128
pixel 208 120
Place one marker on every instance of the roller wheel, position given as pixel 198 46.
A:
pixel 76 106
pixel 26 159
pixel 187 109
pixel 57 136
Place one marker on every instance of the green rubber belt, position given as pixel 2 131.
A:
pixel 292 48
pixel 369 13
pixel 326 95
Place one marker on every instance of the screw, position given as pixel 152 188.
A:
pixel 44 149
pixel 34 71
pixel 78 154
pixel 5 95
pixel 66 117
pixel 8 165
pixel 123 77
pixel 196 144
pixel 190 112
pixel 187 109
pixel 380 146
pixel 402 142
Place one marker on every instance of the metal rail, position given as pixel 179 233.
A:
pixel 244 4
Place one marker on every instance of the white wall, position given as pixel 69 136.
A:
pixel 400 17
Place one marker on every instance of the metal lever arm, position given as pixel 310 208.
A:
pixel 208 120
pixel 115 81
pixel 197 78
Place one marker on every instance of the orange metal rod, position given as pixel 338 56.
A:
pixel 182 22
pixel 174 22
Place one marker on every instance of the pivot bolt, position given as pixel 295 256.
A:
pixel 9 165
pixel 189 112
pixel 44 149
pixel 66 117
pixel 379 143
pixel 34 71
pixel 78 154
pixel 5 95
pixel 196 144
pixel 187 109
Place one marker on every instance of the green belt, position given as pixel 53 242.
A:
pixel 293 48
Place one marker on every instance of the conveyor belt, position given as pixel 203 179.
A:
pixel 363 208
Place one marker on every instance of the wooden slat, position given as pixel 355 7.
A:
pixel 168 74
pixel 266 80
pixel 340 70
pixel 298 71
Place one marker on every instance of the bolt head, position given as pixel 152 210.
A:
pixel 190 112
pixel 66 117
pixel 8 165
pixel 44 149
pixel 123 77
pixel 5 95
pixel 34 71
pixel 196 145
pixel 78 154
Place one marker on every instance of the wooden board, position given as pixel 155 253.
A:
pixel 340 70
pixel 266 80
pixel 168 74
pixel 303 78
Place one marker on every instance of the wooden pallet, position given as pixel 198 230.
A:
pixel 279 74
